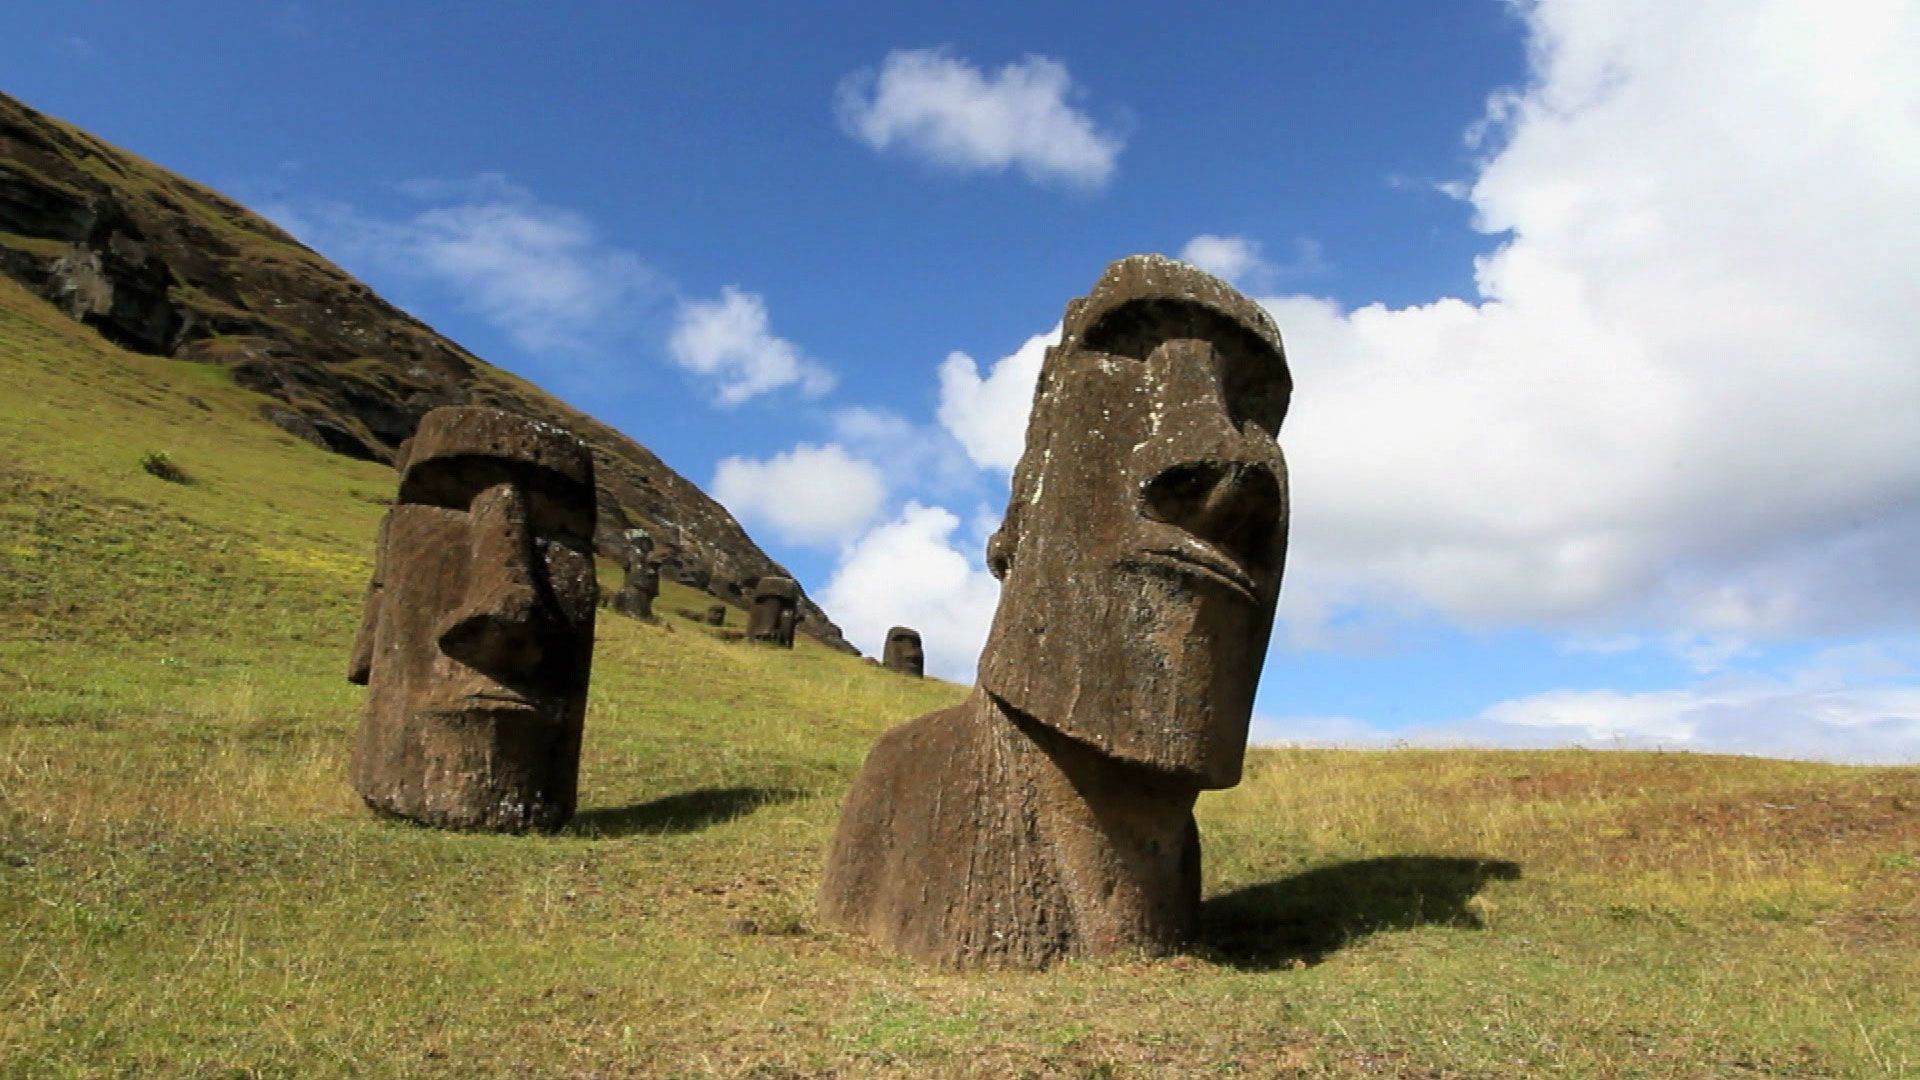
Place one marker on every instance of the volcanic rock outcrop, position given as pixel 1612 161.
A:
pixel 1050 814
pixel 477 637
pixel 162 265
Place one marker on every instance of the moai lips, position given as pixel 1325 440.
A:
pixel 476 640
pixel 1050 814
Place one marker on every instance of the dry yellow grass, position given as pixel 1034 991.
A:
pixel 188 888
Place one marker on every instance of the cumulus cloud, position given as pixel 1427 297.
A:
pixel 949 112
pixel 814 495
pixel 912 572
pixel 1854 703
pixel 921 457
pixel 1244 261
pixel 1680 395
pixel 538 272
pixel 1679 398
pixel 729 341
pixel 989 414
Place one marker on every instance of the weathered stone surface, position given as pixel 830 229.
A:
pixel 717 615
pixel 477 637
pixel 642 584
pixel 903 653
pixel 1050 814
pixel 771 619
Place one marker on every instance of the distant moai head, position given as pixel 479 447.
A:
pixel 772 616
pixel 717 615
pixel 903 653
pixel 1142 547
pixel 477 636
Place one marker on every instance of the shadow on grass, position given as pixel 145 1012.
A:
pixel 688 811
pixel 1305 918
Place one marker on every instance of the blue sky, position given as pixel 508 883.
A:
pixel 1600 310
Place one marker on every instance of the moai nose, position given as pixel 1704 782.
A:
pixel 497 627
pixel 1234 505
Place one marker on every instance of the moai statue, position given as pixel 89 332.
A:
pixel 477 636
pixel 903 653
pixel 717 615
pixel 1050 814
pixel 771 619
pixel 642 585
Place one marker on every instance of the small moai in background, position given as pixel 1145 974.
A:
pixel 476 639
pixel 903 653
pixel 772 617
pixel 642 585
pixel 717 615
pixel 1050 814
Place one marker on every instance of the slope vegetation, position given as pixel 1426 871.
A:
pixel 188 887
pixel 164 266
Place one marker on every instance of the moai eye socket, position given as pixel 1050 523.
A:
pixel 558 510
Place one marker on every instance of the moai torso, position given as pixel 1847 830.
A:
pixel 476 640
pixel 1051 814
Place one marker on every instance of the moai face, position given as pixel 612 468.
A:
pixel 903 653
pixel 772 617
pixel 477 637
pixel 1142 549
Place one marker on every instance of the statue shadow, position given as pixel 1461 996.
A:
pixel 685 812
pixel 1305 918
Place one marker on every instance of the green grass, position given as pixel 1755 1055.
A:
pixel 189 888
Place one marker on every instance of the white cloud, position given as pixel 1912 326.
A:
pixel 949 112
pixel 1244 262
pixel 1230 257
pixel 909 572
pixel 913 456
pixel 1845 704
pixel 1681 395
pixel 989 415
pixel 1739 716
pixel 728 340
pixel 817 495
pixel 1679 401
pixel 538 272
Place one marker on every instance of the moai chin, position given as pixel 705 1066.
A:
pixel 641 587
pixel 903 654
pixel 1050 814
pixel 476 641
pixel 772 617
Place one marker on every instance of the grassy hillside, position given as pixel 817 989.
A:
pixel 188 887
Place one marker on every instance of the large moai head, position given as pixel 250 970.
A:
pixel 1142 547
pixel 772 616
pixel 477 638
pixel 902 652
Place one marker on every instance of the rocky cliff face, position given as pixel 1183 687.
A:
pixel 162 265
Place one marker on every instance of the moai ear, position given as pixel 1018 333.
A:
pixel 1000 552
pixel 360 662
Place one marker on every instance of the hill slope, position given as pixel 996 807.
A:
pixel 161 265
pixel 189 888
